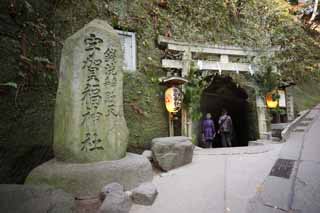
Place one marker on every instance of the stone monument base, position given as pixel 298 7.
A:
pixel 87 179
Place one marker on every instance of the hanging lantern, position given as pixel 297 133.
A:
pixel 271 103
pixel 173 99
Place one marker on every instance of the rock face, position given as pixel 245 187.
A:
pixel 145 194
pixel 86 179
pixel 116 202
pixel 147 154
pixel 35 199
pixel 172 152
pixel 111 187
pixel 89 121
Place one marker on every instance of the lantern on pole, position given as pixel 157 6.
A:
pixel 173 99
pixel 173 95
pixel 271 103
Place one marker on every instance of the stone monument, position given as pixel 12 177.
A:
pixel 90 131
pixel 89 121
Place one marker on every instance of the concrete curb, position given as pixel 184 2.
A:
pixel 286 132
pixel 235 150
pixel 278 192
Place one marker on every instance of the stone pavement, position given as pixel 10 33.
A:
pixel 299 192
pixel 217 181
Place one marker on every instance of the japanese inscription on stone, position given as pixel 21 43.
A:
pixel 110 81
pixel 89 119
pixel 91 95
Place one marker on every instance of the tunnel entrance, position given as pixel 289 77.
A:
pixel 224 93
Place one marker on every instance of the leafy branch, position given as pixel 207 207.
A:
pixel 193 91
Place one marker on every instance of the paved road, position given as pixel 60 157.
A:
pixel 300 192
pixel 217 181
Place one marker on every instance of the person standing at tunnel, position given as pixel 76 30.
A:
pixel 208 130
pixel 225 128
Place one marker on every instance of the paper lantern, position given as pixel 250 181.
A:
pixel 173 99
pixel 282 99
pixel 270 102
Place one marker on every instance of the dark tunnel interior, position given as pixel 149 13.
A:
pixel 224 93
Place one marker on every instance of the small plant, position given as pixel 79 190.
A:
pixel 193 91
pixel 266 77
pixel 276 96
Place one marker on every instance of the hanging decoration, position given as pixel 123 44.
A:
pixel 272 102
pixel 173 99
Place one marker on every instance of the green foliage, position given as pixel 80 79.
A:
pixel 252 23
pixel 277 111
pixel 261 24
pixel 268 23
pixel 192 98
pixel 306 95
pixel 265 24
pixel 266 76
pixel 276 96
pixel 193 92
pixel 144 110
pixel 201 20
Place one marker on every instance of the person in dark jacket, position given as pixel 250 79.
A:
pixel 225 128
pixel 208 130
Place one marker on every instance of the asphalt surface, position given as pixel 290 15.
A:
pixel 218 180
pixel 271 178
pixel 300 191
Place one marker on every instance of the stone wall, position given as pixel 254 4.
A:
pixel 28 96
pixel 252 113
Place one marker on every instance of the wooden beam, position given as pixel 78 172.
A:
pixel 213 49
pixel 171 126
pixel 186 66
pixel 209 65
pixel 237 67
pixel 168 63
pixel 186 63
pixel 224 58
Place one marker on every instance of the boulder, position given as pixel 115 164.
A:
pixel 111 187
pixel 147 154
pixel 145 194
pixel 35 199
pixel 87 179
pixel 116 202
pixel 172 152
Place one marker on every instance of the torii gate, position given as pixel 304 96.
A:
pixel 222 65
